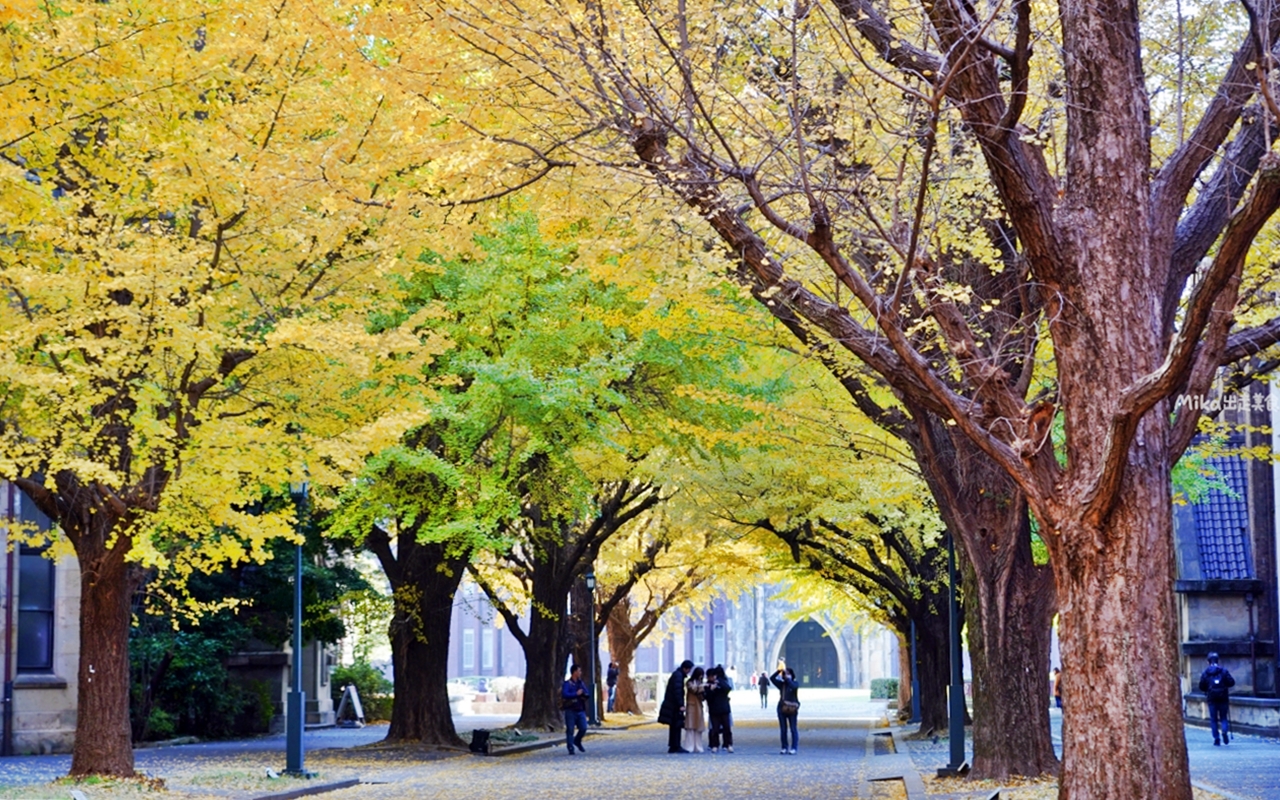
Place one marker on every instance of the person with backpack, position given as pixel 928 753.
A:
pixel 1216 683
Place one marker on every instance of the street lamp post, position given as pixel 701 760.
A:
pixel 295 713
pixel 590 579
pixel 955 710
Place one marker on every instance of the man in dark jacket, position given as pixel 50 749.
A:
pixel 717 694
pixel 573 700
pixel 671 712
pixel 1216 683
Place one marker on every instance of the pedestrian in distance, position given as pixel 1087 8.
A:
pixel 695 720
pixel 764 689
pixel 788 708
pixel 719 685
pixel 1057 687
pixel 1216 683
pixel 671 712
pixel 573 700
pixel 611 681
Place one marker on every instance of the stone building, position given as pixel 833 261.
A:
pixel 1227 587
pixel 40 616
pixel 750 634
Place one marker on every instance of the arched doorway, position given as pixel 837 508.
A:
pixel 811 653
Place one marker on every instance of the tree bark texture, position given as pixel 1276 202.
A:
pixel 546 652
pixel 424 579
pixel 622 649
pixel 97 522
pixel 1009 603
pixel 103 745
pixel 934 655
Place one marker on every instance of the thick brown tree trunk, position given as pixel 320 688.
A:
pixel 426 581
pixel 107 583
pixel 932 651
pixel 1118 629
pixel 1008 621
pixel 1009 604
pixel 905 670
pixel 545 657
pixel 622 648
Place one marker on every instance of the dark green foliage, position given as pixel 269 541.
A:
pixel 373 686
pixel 884 689
pixel 179 681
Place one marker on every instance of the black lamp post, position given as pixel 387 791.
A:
pixel 590 579
pixel 955 709
pixel 296 709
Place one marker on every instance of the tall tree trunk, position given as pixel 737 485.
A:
pixel 622 647
pixel 423 593
pixel 1008 621
pixel 107 582
pixel 545 653
pixel 1009 603
pixel 1118 629
pixel 905 669
pixel 932 649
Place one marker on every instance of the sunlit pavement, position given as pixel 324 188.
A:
pixel 632 762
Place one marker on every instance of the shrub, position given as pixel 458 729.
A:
pixel 884 689
pixel 374 688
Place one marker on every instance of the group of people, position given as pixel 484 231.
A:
pixel 683 714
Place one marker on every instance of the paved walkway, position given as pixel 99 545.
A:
pixel 839 749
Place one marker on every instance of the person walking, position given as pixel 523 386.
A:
pixel 719 685
pixel 764 689
pixel 671 712
pixel 695 721
pixel 1216 683
pixel 573 699
pixel 788 707
pixel 1057 687
pixel 611 681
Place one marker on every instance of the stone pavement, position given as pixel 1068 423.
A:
pixel 842 746
pixel 1247 769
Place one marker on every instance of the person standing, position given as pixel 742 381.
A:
pixel 1216 683
pixel 573 699
pixel 1057 687
pixel 671 712
pixel 611 681
pixel 788 708
pixel 719 685
pixel 695 721
pixel 764 689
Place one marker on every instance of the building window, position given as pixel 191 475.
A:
pixel 699 654
pixel 717 644
pixel 35 611
pixel 486 648
pixel 468 651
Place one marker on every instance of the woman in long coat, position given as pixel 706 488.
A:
pixel 695 720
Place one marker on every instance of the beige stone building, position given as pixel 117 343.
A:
pixel 39 603
pixel 40 613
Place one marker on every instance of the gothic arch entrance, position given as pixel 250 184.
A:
pixel 811 653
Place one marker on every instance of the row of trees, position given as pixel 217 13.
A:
pixel 1009 244
pixel 996 259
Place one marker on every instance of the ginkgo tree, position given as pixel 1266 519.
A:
pixel 938 189
pixel 192 232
